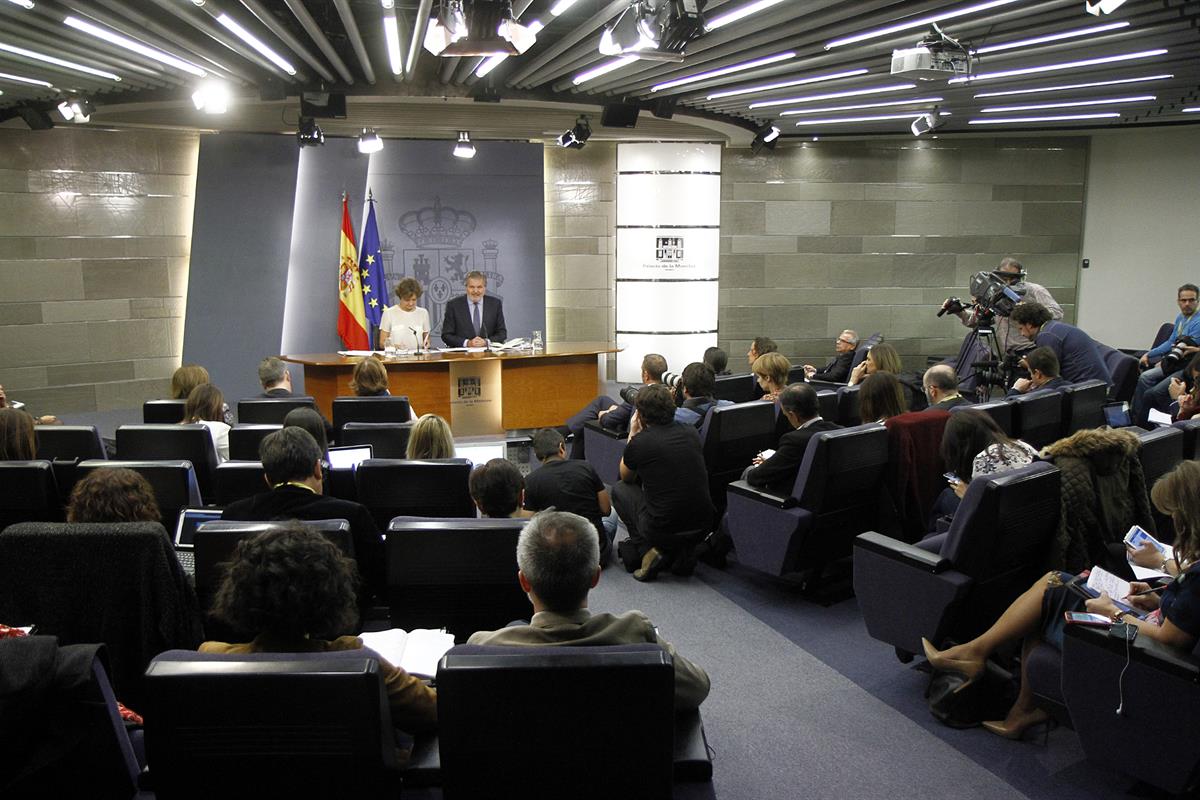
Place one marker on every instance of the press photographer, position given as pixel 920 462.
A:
pixel 1012 275
pixel 1153 387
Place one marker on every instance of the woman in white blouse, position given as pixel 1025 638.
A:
pixel 405 324
pixel 205 405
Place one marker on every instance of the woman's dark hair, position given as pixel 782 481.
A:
pixel 113 494
pixel 409 287
pixel 1178 493
pixel 496 487
pixel 370 378
pixel 205 402
pixel 310 420
pixel 717 359
pixel 17 442
pixel 655 405
pixel 967 434
pixel 289 583
pixel 881 396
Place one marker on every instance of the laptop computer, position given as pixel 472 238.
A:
pixel 349 456
pixel 185 534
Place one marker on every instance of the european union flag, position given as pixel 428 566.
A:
pixel 370 261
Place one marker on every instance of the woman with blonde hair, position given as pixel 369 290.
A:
pixel 205 405
pixel 430 438
pixel 771 370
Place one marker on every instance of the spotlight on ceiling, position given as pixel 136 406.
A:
pixel 577 136
pixel 1098 7
pixel 926 123
pixel 765 138
pixel 477 28
pixel 369 141
pixel 310 133
pixel 464 148
pixel 76 109
pixel 655 30
pixel 212 97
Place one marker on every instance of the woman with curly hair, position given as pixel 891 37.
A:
pixel 205 405
pixel 17 441
pixel 113 494
pixel 292 591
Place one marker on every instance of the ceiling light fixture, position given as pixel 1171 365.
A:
pixel 310 133
pixel 476 28
pixel 5 76
pixel 925 123
pixel 1087 62
pixel 561 7
pixel 919 22
pixel 1190 110
pixel 258 44
pixel 785 84
pixel 1058 118
pixel 1098 7
pixel 631 31
pixel 893 87
pixel 25 4
pixel 135 46
pixel 212 97
pixel 1050 37
pixel 716 73
pixel 765 138
pixel 61 62
pixel 577 136
pixel 603 69
pixel 1068 104
pixel 76 109
pixel 391 36
pixel 836 120
pixel 369 141
pixel 860 106
pixel 491 63
pixel 464 148
pixel 1069 86
pixel 740 13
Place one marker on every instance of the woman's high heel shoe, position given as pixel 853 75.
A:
pixel 970 670
pixel 1018 730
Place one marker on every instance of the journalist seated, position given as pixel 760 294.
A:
pixel 777 473
pixel 941 388
pixel 613 415
pixel 1042 365
pixel 836 369
pixel 558 556
pixel 1171 616
pixel 699 383
pixel 717 360
pixel 292 591
pixel 1153 386
pixel 498 490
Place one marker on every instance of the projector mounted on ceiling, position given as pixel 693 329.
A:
pixel 937 57
pixel 655 30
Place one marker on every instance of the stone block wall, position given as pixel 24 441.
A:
pixel 874 235
pixel 95 232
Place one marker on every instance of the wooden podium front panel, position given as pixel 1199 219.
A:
pixel 541 392
pixel 427 386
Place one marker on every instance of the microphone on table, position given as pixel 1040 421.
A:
pixel 416 336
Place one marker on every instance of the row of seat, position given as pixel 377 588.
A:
pixel 272 410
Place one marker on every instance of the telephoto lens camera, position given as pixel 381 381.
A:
pixel 671 380
pixel 629 394
pixel 1173 360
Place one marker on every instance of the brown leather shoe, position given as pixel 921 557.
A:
pixel 652 564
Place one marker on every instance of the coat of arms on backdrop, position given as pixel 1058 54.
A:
pixel 439 260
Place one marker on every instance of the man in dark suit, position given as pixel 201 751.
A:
pixel 274 376
pixel 836 369
pixel 1042 364
pixel 941 387
pixel 472 319
pixel 778 473
pixel 291 459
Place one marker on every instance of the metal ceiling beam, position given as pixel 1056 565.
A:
pixel 287 37
pixel 581 32
pixel 356 40
pixel 318 36
pixel 420 25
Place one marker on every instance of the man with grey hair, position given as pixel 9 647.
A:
pixel 473 319
pixel 777 471
pixel 274 376
pixel 1012 272
pixel 558 560
pixel 941 387
pixel 836 369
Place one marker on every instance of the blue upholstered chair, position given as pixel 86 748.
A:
pixel 731 437
pixel 270 410
pixel 369 409
pixel 69 442
pixel 387 439
pixel 847 406
pixel 1083 405
pixel 1038 417
pixel 192 443
pixel 28 492
pixel 1001 412
pixel 837 495
pixel 604 449
pixel 244 440
pixel 174 483
pixel 396 487
pixel 958 583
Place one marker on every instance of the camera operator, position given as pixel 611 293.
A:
pixel 1042 365
pixel 1078 356
pixel 613 415
pixel 1012 273
pixel 1153 387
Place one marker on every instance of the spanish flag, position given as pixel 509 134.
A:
pixel 352 322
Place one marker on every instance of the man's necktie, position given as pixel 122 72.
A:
pixel 475 317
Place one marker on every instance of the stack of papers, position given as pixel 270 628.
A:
pixel 417 652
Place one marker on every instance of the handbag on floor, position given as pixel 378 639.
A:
pixel 959 704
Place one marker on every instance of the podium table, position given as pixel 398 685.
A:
pixel 536 389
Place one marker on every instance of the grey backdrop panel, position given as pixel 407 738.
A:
pixel 241 233
pixel 441 217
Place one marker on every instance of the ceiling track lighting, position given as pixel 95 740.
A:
pixel 716 73
pixel 309 133
pixel 1106 101
pixel 1098 7
pixel 76 109
pixel 464 148
pixel 891 87
pixel 925 123
pixel 914 101
pixel 369 141
pixel 765 138
pixel 113 37
pixel 212 97
pixel 1055 118
pixel 919 22
pixel 60 62
pixel 1087 62
pixel 576 137
pixel 657 30
pixel 1071 86
pixel 768 87
pixel 490 64
pixel 476 28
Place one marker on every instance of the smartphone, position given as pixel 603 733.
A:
pixel 950 476
pixel 1087 618
pixel 1138 536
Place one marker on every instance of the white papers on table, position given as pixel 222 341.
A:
pixel 359 353
pixel 1159 418
pixel 417 652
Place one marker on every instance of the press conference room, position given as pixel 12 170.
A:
pixel 696 398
